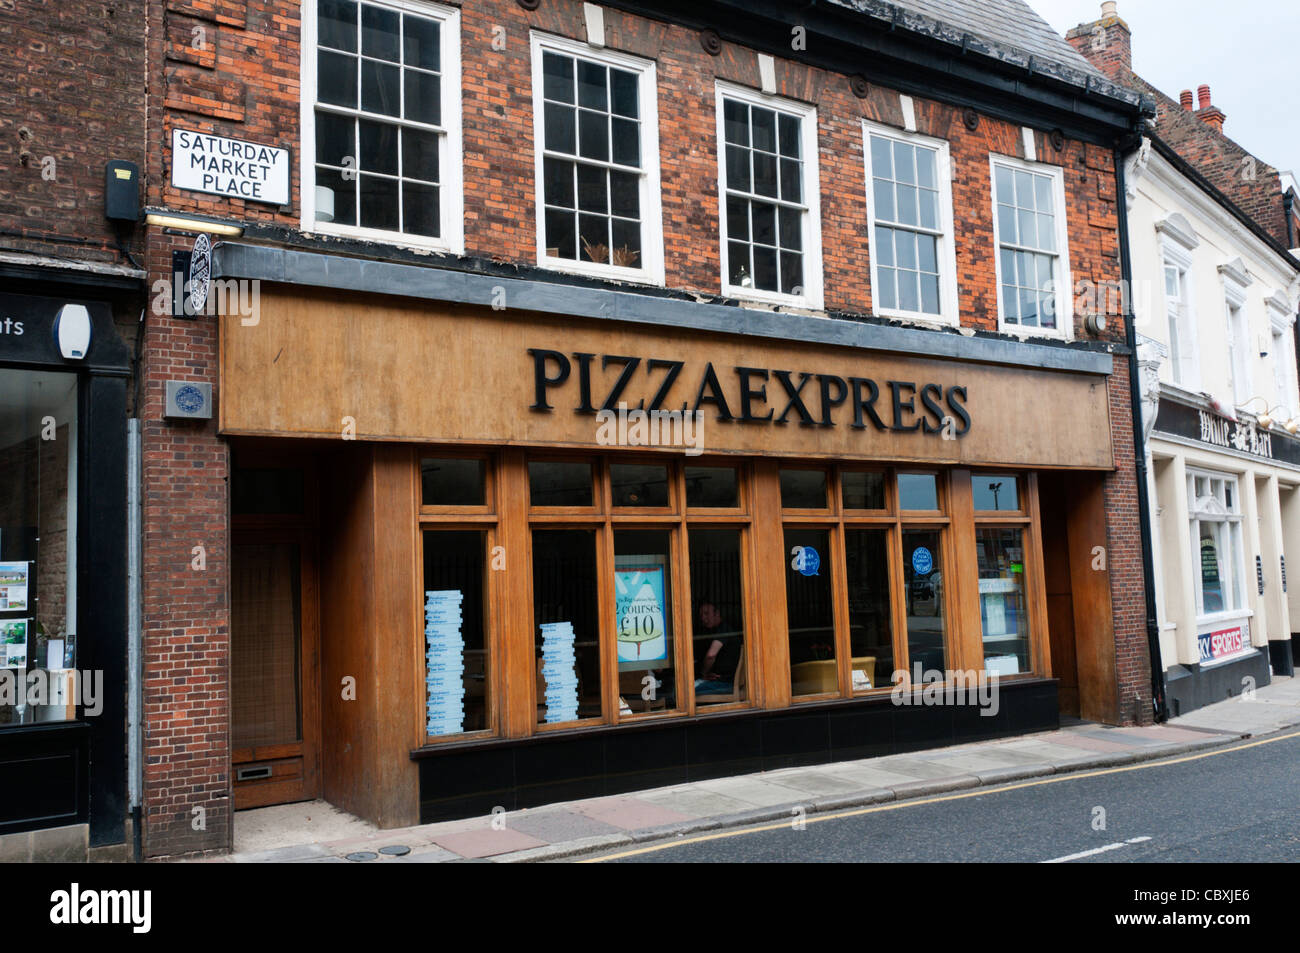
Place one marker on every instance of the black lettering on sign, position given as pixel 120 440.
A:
pixel 710 383
pixel 796 401
pixel 674 368
pixel 829 403
pixel 630 364
pixel 542 382
pixel 900 405
pixel 748 392
pixel 865 404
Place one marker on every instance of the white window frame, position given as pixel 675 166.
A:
pixel 1064 329
pixel 946 256
pixel 651 270
pixel 1233 579
pixel 1185 363
pixel 451 198
pixel 813 290
pixel 1281 321
pixel 1237 322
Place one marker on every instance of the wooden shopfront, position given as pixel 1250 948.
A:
pixel 519 592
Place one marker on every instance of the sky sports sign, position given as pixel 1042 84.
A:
pixel 1222 643
pixel 229 167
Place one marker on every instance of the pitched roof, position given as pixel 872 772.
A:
pixel 1007 29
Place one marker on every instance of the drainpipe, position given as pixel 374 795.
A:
pixel 134 742
pixel 1158 702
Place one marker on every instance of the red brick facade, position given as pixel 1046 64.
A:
pixel 244 83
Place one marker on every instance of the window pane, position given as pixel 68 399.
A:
pixel 557 77
pixel 789 136
pixel 764 128
pixel 421 43
pixel 764 220
pixel 593 195
pixel 420 155
pixel 457 662
pixel 567 636
pixel 712 486
pixel 421 209
pixel 378 202
pixel 909 297
pixel 1002 601
pixel 627 141
pixel 810 617
pixel 735 122
pixel 380 89
pixel 335 139
pixel 623 93
pixel 1007 232
pixel 884 194
pixel 925 167
pixel 907 214
pixel 765 174
pixel 995 493
pixel 917 491
pixel 791 273
pixel 927 253
pixel 803 489
pixel 738 266
pixel 593 135
pixel 625 194
pixel 1043 193
pixel 423 97
pixel 885 243
pixel 863 491
pixel 1005 190
pixel 451 482
pixel 554 483
pixel 882 164
pixel 561 128
pixel 930 294
pixel 923 591
pixel 591 86
pixel 593 237
pixel 871 630
pixel 643 621
pixel 336 79
pixel 717 614
pixel 1212 556
pixel 904 163
pixel 379 30
pixel 765 276
pixel 561 234
pixel 638 485
pixel 737 219
pixel 38 549
pixel 378 147
pixel 344 192
pixel 337 24
pixel 887 293
pixel 627 243
pixel 738 169
pixel 791 183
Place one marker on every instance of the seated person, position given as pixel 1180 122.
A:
pixel 717 670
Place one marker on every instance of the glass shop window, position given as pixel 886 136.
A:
pixel 716 487
pixel 557 483
pixel 863 490
pixel 1003 606
pixel 1214 506
pixel 718 616
pixel 810 612
pixel 457 663
pixel 871 628
pixel 995 493
pixel 923 592
pixel 566 633
pixel 803 489
pixel 643 621
pixel 918 491
pixel 635 484
pixel 38 547
pixel 452 482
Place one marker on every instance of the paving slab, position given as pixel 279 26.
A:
pixel 806 783
pixel 755 791
pixel 694 802
pixel 555 826
pixel 630 813
pixel 486 843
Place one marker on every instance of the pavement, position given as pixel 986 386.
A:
pixel 304 833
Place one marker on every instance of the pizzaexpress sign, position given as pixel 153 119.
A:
pixel 747 395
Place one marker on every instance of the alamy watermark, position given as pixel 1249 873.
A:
pixel 651 428
pixel 933 687
pixel 57 688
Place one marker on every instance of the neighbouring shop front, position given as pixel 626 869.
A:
pixel 1227 498
pixel 583 542
pixel 63 533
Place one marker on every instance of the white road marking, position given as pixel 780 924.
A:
pixel 1096 850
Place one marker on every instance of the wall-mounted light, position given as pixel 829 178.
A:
pixel 192 223
pixel 1095 323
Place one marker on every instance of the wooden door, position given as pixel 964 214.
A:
pixel 274 648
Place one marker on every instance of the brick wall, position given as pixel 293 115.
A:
pixel 244 83
pixel 71 91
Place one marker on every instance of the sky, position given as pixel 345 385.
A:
pixel 1245 49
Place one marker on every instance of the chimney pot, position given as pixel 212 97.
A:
pixel 1108 9
pixel 1203 94
pixel 1185 98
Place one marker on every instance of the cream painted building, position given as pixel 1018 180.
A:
pixel 1214 300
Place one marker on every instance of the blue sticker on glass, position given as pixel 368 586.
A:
pixel 806 561
pixel 922 561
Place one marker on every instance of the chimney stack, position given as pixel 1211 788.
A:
pixel 1185 97
pixel 1207 112
pixel 1106 43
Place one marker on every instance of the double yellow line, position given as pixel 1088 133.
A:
pixel 900 805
